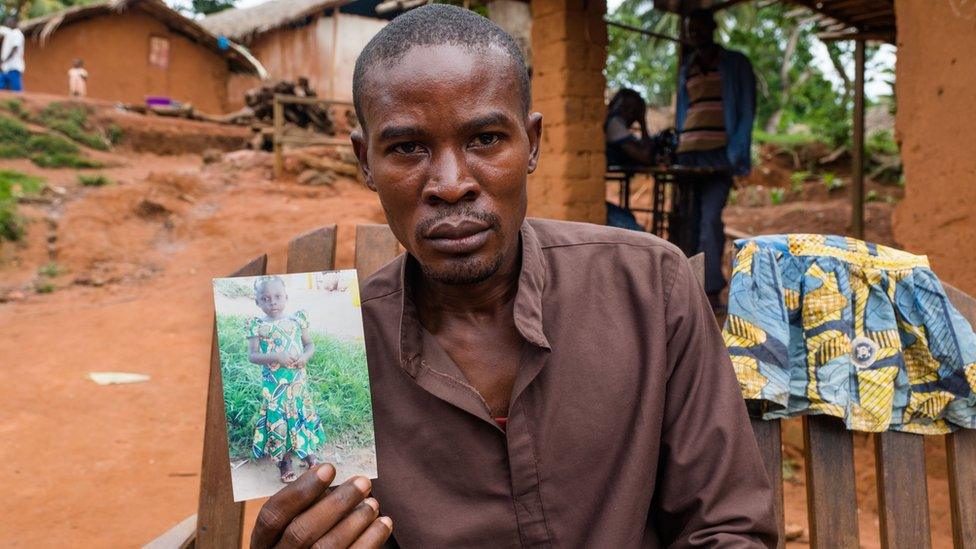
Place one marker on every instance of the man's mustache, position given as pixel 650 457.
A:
pixel 464 212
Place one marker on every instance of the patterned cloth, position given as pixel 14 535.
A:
pixel 831 325
pixel 287 420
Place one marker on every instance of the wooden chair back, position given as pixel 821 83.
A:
pixel 903 509
pixel 828 446
pixel 220 520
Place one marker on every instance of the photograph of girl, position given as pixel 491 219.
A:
pixel 296 388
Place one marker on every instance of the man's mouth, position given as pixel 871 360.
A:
pixel 458 236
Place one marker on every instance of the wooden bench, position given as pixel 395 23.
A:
pixel 828 446
pixel 903 509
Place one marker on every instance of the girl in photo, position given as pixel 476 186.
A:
pixel 281 344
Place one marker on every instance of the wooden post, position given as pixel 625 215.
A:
pixel 278 110
pixel 375 246
pixel 335 53
pixel 857 143
pixel 219 518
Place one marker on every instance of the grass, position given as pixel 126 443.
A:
pixel 46 151
pixel 14 185
pixel 72 121
pixel 776 196
pixel 15 107
pixel 337 378
pixel 98 180
pixel 51 270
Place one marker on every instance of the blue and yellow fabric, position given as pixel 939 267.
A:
pixel 831 325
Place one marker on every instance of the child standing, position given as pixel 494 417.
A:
pixel 78 79
pixel 287 423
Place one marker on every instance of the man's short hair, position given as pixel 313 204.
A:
pixel 435 25
pixel 703 15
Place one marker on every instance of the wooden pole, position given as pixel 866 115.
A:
pixel 278 110
pixel 857 190
pixel 335 53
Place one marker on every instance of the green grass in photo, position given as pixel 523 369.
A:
pixel 337 378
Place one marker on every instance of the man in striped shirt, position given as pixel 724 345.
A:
pixel 715 112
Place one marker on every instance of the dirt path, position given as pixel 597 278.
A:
pixel 111 466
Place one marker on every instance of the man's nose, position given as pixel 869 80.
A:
pixel 450 181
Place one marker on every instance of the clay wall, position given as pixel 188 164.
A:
pixel 936 125
pixel 115 49
pixel 288 53
pixel 569 51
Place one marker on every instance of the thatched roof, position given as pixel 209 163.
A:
pixel 243 24
pixel 239 59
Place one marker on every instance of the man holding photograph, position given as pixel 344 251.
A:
pixel 534 382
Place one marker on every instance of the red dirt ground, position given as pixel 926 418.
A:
pixel 117 465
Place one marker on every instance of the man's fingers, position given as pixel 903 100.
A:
pixel 351 527
pixel 316 521
pixel 375 535
pixel 282 508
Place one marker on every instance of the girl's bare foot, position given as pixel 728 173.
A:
pixel 284 467
pixel 311 461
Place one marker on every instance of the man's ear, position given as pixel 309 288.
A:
pixel 360 147
pixel 533 127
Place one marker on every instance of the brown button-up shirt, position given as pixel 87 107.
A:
pixel 626 426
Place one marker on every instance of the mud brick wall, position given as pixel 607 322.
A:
pixel 936 125
pixel 569 51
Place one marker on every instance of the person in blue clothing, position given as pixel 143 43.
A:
pixel 11 55
pixel 715 111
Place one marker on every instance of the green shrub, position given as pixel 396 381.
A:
pixel 98 180
pixel 872 196
pixel 114 134
pixel 337 379
pixel 832 182
pixel 43 286
pixel 797 179
pixel 14 185
pixel 776 196
pixel 783 140
pixel 51 270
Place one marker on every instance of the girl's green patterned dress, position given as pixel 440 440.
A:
pixel 287 421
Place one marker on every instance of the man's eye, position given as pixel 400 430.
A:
pixel 485 140
pixel 410 147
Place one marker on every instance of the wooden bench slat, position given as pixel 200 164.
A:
pixel 312 251
pixel 375 246
pixel 961 454
pixel 769 438
pixel 831 495
pixel 903 504
pixel 220 519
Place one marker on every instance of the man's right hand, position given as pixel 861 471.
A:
pixel 307 513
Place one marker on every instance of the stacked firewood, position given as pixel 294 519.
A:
pixel 316 117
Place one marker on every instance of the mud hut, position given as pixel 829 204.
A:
pixel 133 49
pixel 317 39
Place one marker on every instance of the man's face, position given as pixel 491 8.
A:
pixel 448 149
pixel 700 32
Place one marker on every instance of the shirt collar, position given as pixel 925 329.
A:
pixel 528 302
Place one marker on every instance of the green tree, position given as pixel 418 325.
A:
pixel 207 7
pixel 792 89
